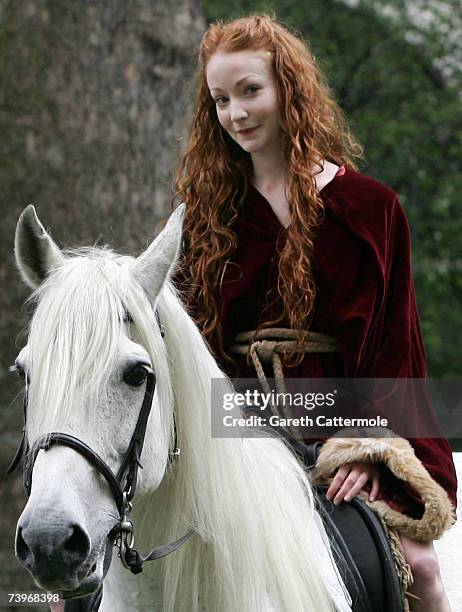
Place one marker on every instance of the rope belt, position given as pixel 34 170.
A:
pixel 267 345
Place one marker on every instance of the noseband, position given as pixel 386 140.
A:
pixel 122 484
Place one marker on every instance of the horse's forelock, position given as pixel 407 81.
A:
pixel 74 333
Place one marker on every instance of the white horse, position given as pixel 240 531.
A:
pixel 94 337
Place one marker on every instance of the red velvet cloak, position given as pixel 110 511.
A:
pixel 365 299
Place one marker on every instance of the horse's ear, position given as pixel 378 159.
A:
pixel 36 253
pixel 152 267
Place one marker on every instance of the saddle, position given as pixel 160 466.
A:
pixel 359 545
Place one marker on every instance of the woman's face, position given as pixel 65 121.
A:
pixel 243 86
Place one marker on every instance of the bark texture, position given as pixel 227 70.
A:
pixel 93 103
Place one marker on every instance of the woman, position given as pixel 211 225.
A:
pixel 281 229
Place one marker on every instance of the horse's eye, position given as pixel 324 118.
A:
pixel 135 376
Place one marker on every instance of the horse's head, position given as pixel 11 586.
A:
pixel 94 344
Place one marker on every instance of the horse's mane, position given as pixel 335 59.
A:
pixel 247 499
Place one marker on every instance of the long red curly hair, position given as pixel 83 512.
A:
pixel 214 173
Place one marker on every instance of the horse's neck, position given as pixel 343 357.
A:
pixel 124 591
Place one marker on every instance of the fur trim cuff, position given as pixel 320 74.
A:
pixel 399 457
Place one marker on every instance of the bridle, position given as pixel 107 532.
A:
pixel 122 485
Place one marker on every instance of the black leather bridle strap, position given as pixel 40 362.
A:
pixel 63 439
pixel 22 447
pixel 133 560
pixel 166 549
pixel 20 452
pixel 131 460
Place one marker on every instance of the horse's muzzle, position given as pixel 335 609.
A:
pixel 56 554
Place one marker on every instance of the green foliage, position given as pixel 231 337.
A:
pixel 237 8
pixel 400 85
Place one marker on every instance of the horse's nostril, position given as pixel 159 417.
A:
pixel 77 544
pixel 23 552
pixel 52 550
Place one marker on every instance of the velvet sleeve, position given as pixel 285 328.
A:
pixel 377 326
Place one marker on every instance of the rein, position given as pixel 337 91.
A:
pixel 122 485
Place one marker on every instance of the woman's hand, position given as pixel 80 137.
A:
pixel 350 479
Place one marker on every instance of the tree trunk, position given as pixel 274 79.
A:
pixel 93 102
